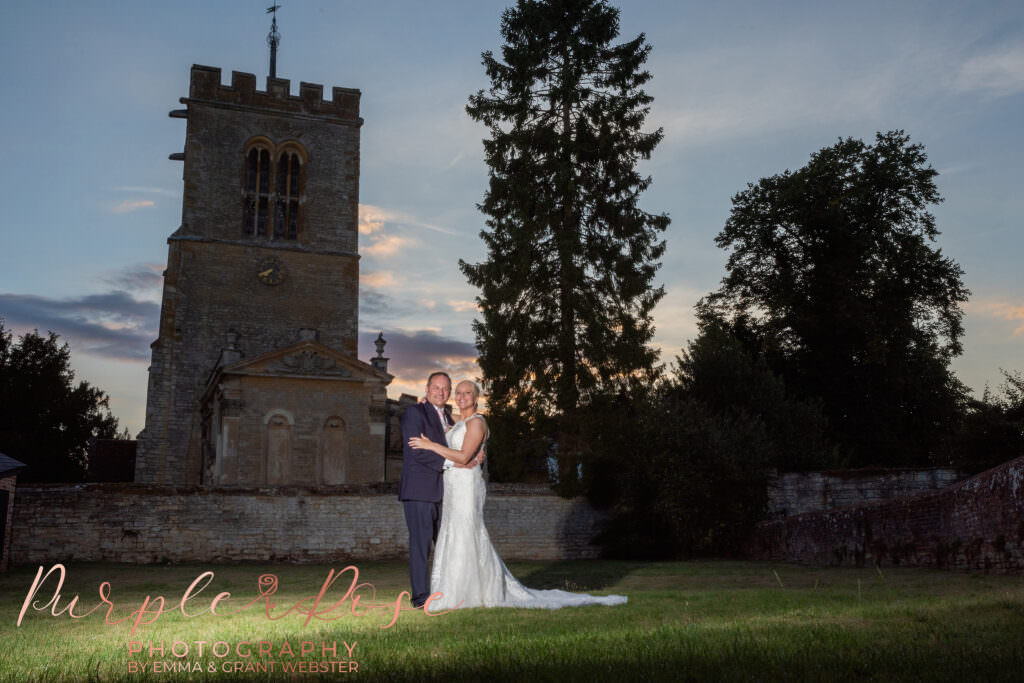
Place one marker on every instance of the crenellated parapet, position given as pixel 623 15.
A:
pixel 206 87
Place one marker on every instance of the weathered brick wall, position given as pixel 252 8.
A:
pixel 796 493
pixel 977 524
pixel 145 523
pixel 7 484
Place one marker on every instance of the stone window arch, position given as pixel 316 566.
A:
pixel 334 452
pixel 278 447
pixel 273 189
pixel 291 163
pixel 256 186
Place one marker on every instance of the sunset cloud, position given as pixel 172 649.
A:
pixel 381 278
pixel 414 354
pixel 385 245
pixel 1001 310
pixel 464 306
pixel 112 325
pixel 147 190
pixel 372 219
pixel 129 205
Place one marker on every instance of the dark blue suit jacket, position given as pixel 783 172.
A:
pixel 421 469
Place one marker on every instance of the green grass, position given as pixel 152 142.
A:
pixel 684 621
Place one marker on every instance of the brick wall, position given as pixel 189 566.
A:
pixel 977 524
pixel 142 523
pixel 796 493
pixel 7 484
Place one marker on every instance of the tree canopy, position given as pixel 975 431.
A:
pixel 567 285
pixel 46 420
pixel 833 271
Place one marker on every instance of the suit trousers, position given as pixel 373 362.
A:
pixel 423 519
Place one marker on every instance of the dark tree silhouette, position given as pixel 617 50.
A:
pixel 833 269
pixel 566 288
pixel 46 420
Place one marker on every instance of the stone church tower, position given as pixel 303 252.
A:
pixel 254 378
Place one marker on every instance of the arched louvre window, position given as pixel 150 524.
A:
pixel 289 186
pixel 257 191
pixel 272 188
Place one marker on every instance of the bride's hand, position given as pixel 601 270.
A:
pixel 421 441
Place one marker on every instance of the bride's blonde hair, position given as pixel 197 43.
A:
pixel 476 390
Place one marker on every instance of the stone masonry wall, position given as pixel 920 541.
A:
pixel 977 524
pixel 143 523
pixel 9 485
pixel 796 493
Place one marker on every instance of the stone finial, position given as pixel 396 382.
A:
pixel 380 362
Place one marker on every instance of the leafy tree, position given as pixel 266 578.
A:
pixel 992 431
pixel 689 473
pixel 728 378
pixel 833 271
pixel 46 421
pixel 566 288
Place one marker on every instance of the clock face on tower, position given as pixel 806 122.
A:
pixel 270 271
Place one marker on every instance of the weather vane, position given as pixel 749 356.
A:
pixel 273 39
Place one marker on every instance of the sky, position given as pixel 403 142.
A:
pixel 742 90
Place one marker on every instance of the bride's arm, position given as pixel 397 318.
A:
pixel 470 445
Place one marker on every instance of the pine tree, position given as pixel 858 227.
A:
pixel 566 288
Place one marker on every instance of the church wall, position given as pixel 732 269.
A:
pixel 210 284
pixel 140 523
pixel 307 404
pixel 977 524
pixel 227 296
pixel 222 119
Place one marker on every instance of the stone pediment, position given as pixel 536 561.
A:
pixel 308 359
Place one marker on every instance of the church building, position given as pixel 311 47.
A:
pixel 254 379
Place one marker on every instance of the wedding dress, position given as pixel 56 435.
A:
pixel 467 569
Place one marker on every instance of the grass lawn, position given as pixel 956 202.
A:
pixel 684 621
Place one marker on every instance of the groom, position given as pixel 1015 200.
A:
pixel 421 486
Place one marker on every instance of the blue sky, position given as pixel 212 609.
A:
pixel 742 90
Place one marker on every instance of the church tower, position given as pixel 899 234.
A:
pixel 254 378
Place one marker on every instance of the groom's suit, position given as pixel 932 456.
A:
pixel 420 490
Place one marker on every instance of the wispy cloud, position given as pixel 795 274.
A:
pixel 129 205
pixel 113 325
pixel 999 73
pixel 373 218
pixel 141 279
pixel 464 306
pixel 385 245
pixel 785 83
pixel 381 278
pixel 1001 310
pixel 147 190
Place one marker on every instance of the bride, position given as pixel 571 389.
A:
pixel 467 570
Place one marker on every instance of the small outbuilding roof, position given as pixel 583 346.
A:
pixel 9 466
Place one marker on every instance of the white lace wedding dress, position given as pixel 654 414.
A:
pixel 467 569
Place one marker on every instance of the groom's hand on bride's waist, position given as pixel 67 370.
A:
pixel 477 460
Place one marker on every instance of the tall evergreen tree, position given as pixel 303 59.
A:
pixel 566 288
